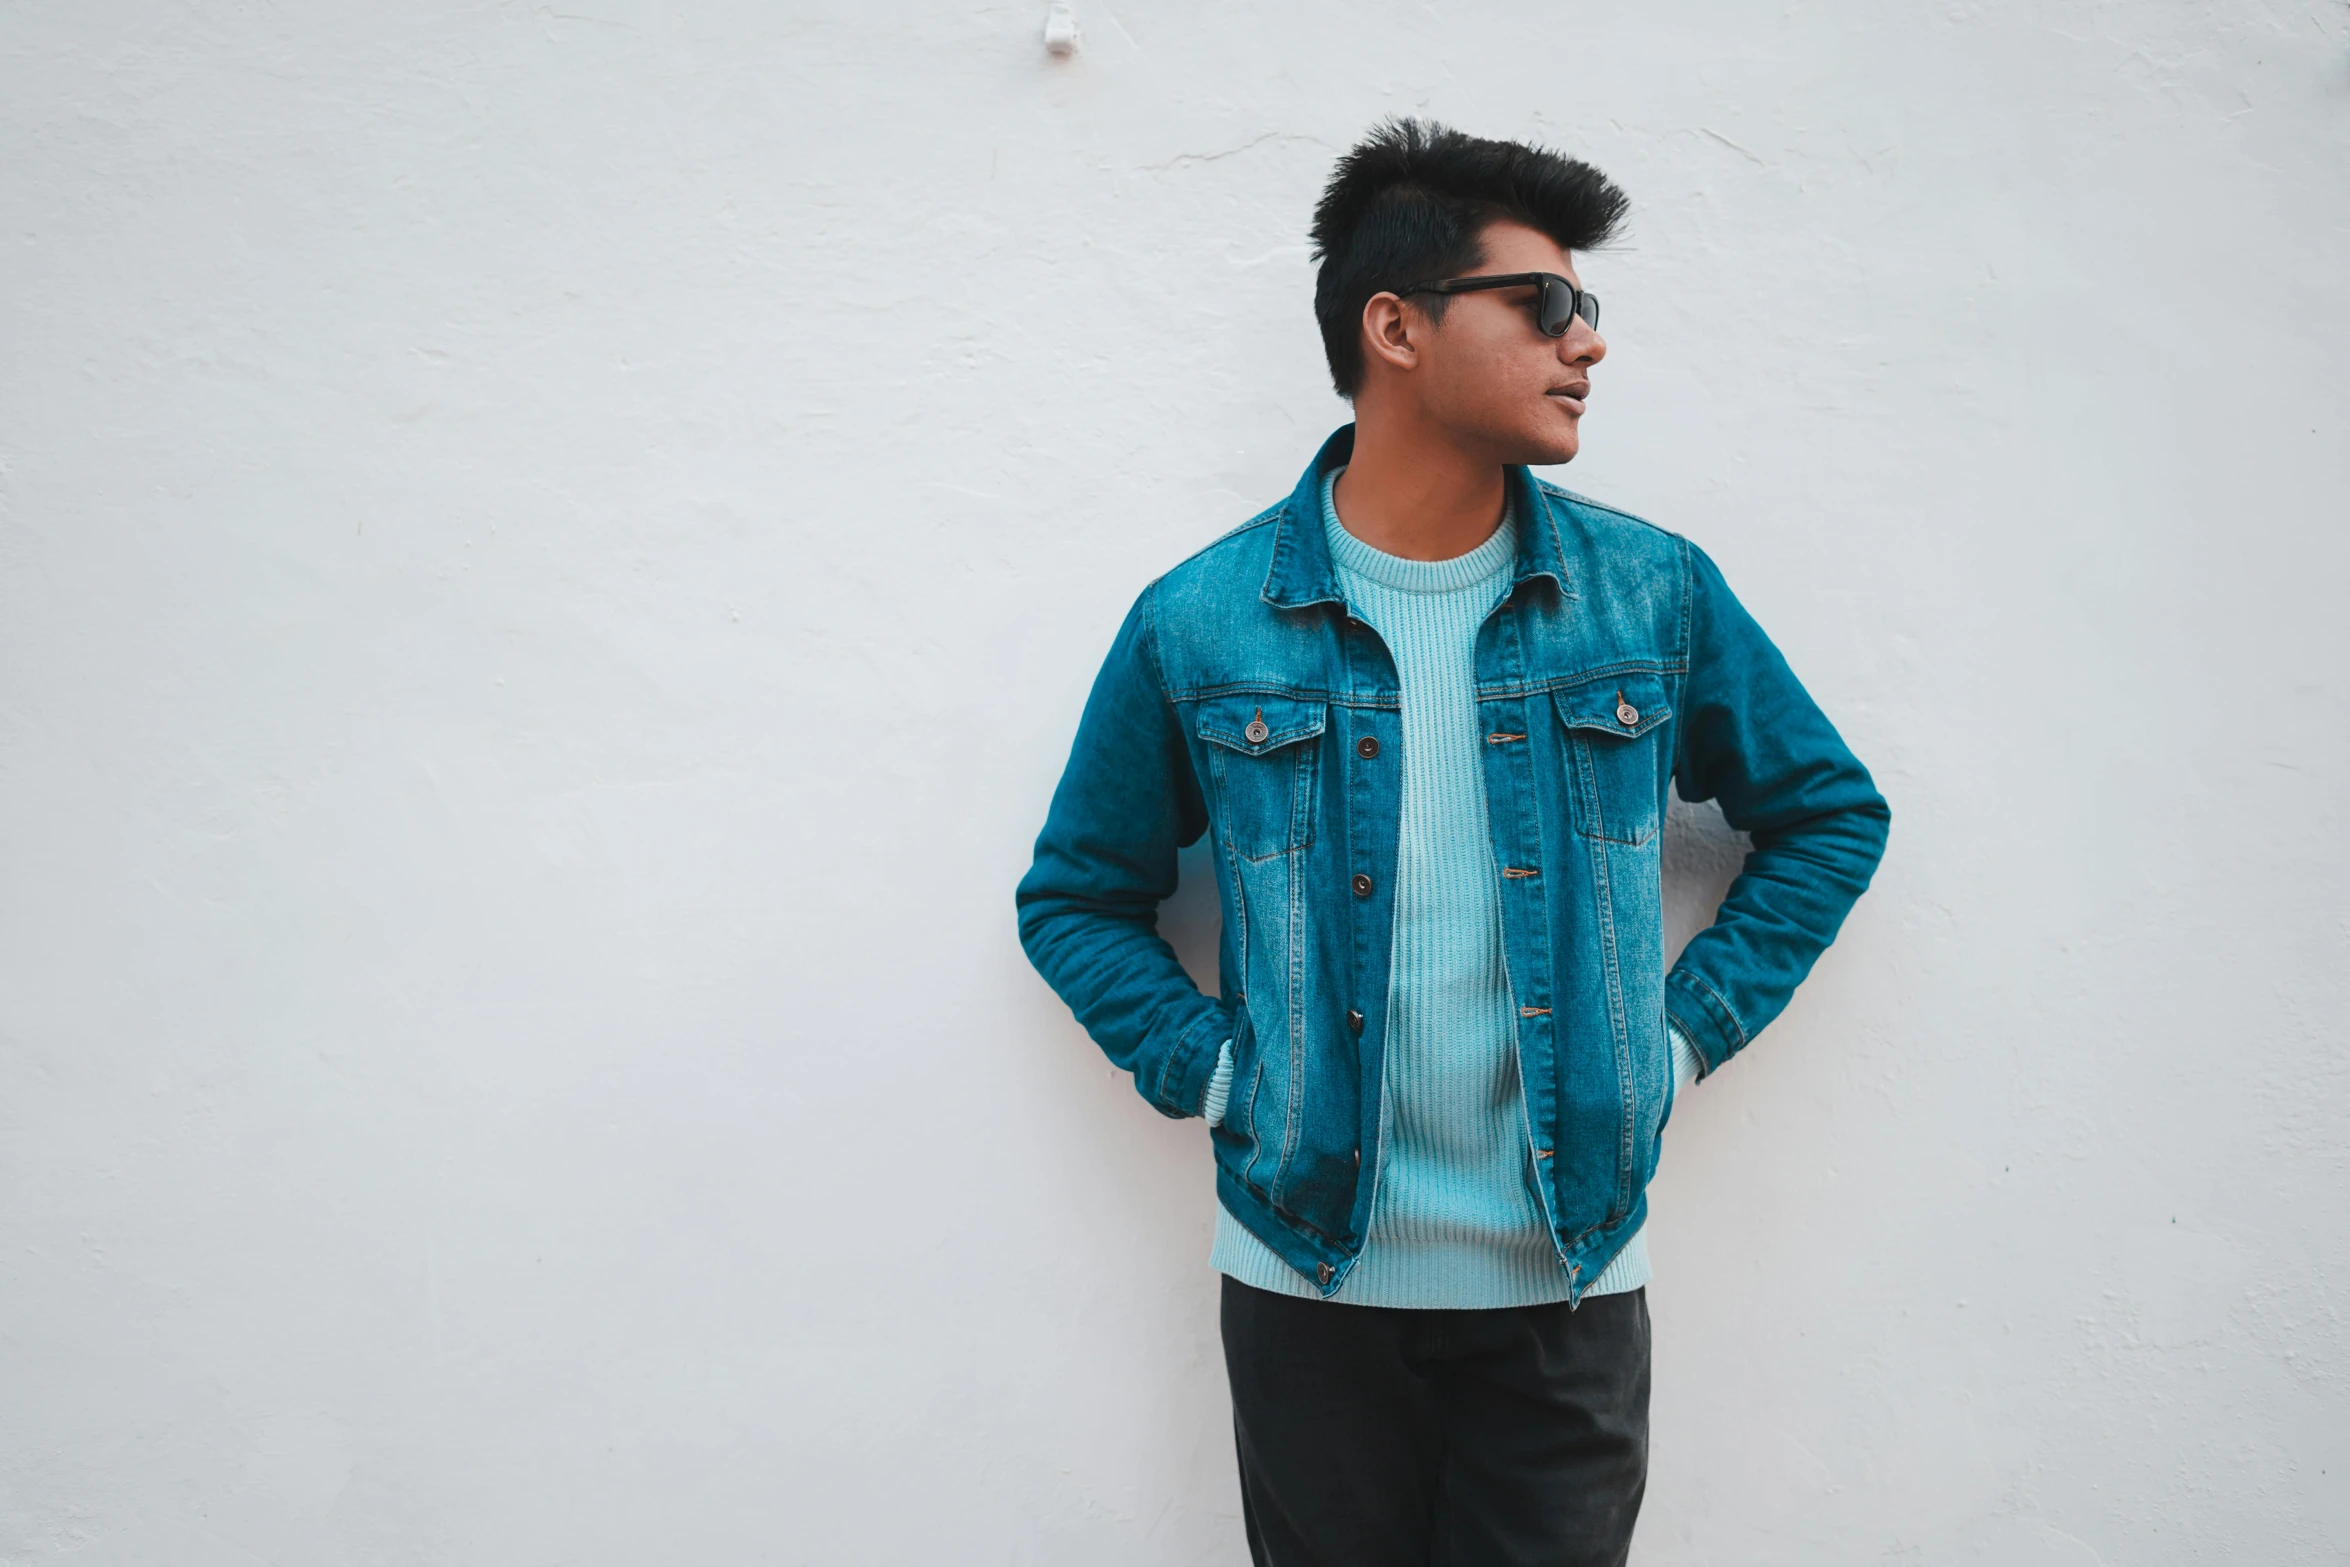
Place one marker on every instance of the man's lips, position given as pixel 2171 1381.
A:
pixel 1572 396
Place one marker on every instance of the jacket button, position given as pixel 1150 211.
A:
pixel 1256 731
pixel 1367 747
pixel 1354 1020
pixel 1362 885
pixel 1325 1270
pixel 1358 1158
pixel 1626 713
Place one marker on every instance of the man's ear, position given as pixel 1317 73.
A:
pixel 1392 331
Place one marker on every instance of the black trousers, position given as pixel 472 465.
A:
pixel 1372 1436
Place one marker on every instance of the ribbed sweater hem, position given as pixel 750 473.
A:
pixel 1425 1274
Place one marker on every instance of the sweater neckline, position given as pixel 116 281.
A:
pixel 1352 555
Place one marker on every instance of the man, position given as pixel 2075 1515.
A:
pixel 1430 706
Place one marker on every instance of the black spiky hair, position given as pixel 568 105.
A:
pixel 1410 202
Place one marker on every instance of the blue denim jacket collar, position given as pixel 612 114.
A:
pixel 1302 573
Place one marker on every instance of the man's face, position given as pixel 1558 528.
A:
pixel 1490 376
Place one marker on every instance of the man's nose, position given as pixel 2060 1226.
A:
pixel 1583 345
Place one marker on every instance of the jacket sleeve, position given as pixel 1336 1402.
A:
pixel 1751 737
pixel 1104 862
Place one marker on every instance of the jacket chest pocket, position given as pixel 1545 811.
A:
pixel 1615 753
pixel 1262 752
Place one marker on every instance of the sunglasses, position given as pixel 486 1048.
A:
pixel 1557 302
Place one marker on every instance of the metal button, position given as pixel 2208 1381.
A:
pixel 1626 713
pixel 1325 1270
pixel 1354 1020
pixel 1362 885
pixel 1367 747
pixel 1358 1158
pixel 1256 731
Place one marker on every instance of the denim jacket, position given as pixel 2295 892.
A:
pixel 1240 698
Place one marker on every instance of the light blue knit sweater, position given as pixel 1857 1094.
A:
pixel 1453 1222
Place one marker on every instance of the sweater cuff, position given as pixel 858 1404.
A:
pixel 1686 1063
pixel 1219 1086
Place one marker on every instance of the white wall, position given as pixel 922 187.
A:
pixel 548 562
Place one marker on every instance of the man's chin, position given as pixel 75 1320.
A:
pixel 1529 443
pixel 1549 448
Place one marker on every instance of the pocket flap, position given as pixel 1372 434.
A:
pixel 1625 706
pixel 1254 722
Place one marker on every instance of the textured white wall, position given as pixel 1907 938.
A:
pixel 549 559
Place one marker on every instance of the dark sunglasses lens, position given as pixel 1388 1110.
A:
pixel 1557 310
pixel 1591 311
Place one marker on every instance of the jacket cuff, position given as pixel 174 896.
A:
pixel 1704 1019
pixel 1181 1082
pixel 1219 1086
